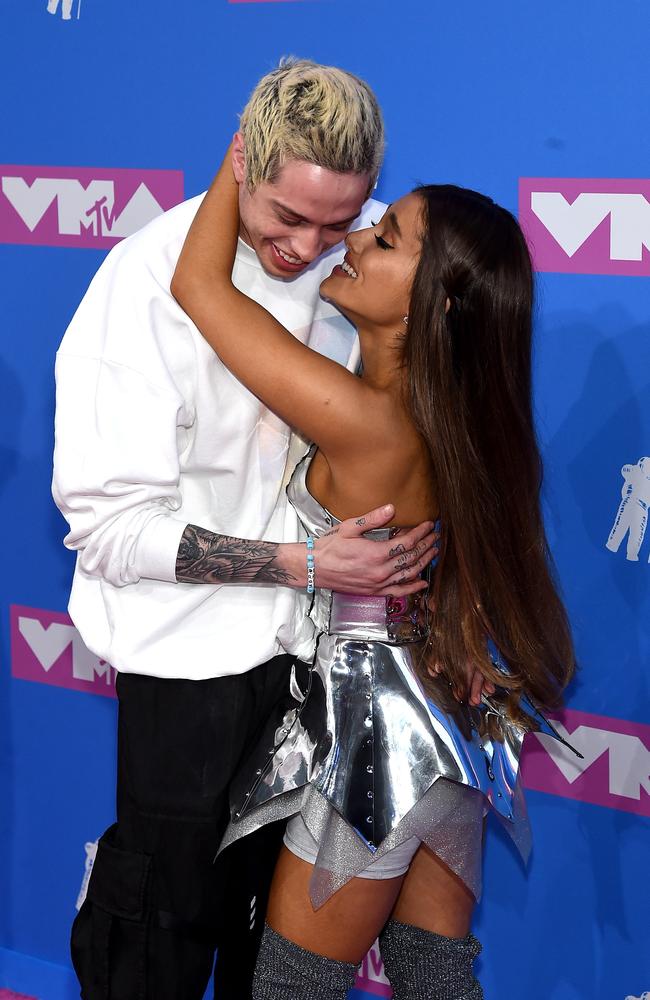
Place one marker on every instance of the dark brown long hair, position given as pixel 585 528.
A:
pixel 468 356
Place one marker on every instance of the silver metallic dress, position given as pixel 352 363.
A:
pixel 364 754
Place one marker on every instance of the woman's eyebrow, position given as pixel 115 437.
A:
pixel 394 223
pixel 392 218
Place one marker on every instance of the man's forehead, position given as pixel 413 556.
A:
pixel 308 192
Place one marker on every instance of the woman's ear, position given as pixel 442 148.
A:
pixel 238 158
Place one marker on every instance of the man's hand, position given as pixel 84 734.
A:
pixel 349 563
pixel 345 561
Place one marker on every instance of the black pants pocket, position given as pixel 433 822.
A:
pixel 110 936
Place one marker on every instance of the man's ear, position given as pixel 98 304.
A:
pixel 238 160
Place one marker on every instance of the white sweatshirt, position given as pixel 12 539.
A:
pixel 153 433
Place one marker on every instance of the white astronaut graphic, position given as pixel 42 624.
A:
pixel 91 854
pixel 66 8
pixel 632 515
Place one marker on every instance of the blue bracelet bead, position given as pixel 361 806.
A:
pixel 311 565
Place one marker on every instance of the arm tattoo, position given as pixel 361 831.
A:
pixel 205 557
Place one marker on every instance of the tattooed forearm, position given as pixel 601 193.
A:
pixel 204 557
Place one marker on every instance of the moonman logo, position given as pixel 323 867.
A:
pixel 632 514
pixel 46 648
pixel 66 8
pixel 91 853
pixel 587 226
pixel 615 771
pixel 81 207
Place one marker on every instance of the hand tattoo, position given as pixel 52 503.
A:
pixel 360 521
pixel 397 550
pixel 205 557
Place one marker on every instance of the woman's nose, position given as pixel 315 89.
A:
pixel 359 239
pixel 352 241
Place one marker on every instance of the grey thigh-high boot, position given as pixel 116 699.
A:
pixel 425 966
pixel 284 971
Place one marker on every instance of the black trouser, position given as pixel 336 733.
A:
pixel 157 905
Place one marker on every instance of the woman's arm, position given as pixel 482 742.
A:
pixel 308 391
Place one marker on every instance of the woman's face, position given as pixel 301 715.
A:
pixel 373 285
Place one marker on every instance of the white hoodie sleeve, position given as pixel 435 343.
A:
pixel 120 413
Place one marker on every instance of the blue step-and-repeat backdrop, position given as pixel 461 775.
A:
pixel 113 112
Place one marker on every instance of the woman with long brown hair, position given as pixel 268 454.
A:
pixel 389 748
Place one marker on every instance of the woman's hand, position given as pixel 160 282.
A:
pixel 476 684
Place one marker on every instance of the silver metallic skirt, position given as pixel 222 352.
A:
pixel 361 751
pixel 369 760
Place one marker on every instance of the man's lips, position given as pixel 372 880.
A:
pixel 284 264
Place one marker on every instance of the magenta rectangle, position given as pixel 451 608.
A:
pixel 91 207
pixel 46 648
pixel 373 989
pixel 614 773
pixel 371 978
pixel 577 225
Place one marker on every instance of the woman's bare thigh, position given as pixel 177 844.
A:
pixel 433 897
pixel 345 926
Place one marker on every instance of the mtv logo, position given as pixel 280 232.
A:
pixel 46 648
pixel 371 980
pixel 587 226
pixel 615 771
pixel 80 207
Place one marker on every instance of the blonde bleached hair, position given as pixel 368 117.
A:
pixel 319 114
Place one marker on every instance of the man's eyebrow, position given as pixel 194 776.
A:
pixel 288 211
pixel 302 218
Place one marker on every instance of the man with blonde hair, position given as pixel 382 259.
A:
pixel 190 577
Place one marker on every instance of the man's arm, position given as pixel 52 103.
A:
pixel 117 466
pixel 116 481
pixel 345 561
pixel 205 557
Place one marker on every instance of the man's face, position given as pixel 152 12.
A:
pixel 294 219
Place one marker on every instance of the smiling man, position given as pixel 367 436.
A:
pixel 306 158
pixel 190 577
